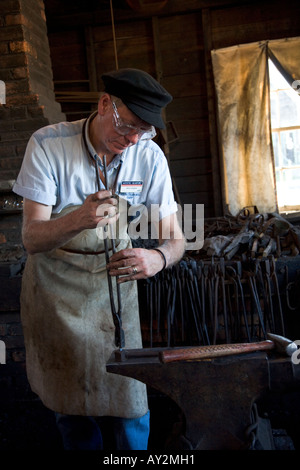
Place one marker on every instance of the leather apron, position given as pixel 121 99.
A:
pixel 69 330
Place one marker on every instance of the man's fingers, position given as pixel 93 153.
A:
pixel 107 220
pixel 130 273
pixel 106 210
pixel 132 277
pixel 101 195
pixel 124 265
pixel 123 258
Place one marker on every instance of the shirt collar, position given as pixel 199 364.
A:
pixel 116 160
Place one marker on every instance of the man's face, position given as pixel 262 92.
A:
pixel 122 128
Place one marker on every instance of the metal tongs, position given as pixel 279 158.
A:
pixel 116 314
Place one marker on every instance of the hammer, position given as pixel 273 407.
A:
pixel 278 343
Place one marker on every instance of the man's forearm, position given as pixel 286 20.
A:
pixel 45 235
pixel 173 250
pixel 42 233
pixel 173 243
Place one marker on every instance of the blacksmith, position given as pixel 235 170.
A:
pixel 65 310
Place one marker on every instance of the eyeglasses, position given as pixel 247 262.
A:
pixel 123 128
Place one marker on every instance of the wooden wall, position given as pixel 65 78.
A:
pixel 175 47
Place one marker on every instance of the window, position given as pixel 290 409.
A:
pixel 245 137
pixel 285 123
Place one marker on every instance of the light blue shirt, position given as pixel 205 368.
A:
pixel 58 171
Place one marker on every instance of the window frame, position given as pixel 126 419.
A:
pixel 285 209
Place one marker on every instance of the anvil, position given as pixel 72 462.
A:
pixel 216 395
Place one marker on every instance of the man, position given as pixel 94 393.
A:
pixel 68 326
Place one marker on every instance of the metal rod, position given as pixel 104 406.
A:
pixel 114 34
pixel 117 315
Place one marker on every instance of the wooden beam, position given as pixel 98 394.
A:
pixel 63 18
pixel 77 96
pixel 90 58
pixel 159 74
pixel 212 114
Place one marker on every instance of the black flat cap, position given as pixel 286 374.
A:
pixel 140 92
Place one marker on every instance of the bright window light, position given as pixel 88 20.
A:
pixel 285 123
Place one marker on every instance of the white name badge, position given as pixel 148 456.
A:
pixel 131 187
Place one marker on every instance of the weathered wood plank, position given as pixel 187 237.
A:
pixel 245 24
pixel 128 30
pixel 181 44
pixel 65 37
pixel 193 184
pixel 91 61
pixel 190 167
pixel 192 107
pixel 68 54
pixel 189 128
pixel 191 84
pixel 199 197
pixel 195 148
pixel 75 15
pixel 211 105
pixel 131 53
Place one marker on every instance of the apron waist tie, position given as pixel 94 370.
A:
pixel 80 252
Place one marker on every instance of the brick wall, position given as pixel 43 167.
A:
pixel 29 103
pixel 25 69
pixel 13 380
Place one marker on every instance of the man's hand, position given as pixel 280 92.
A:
pixel 41 233
pixel 98 209
pixel 140 263
pixel 135 263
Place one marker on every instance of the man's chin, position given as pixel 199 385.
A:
pixel 118 148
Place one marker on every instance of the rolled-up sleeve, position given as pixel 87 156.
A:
pixel 36 179
pixel 161 191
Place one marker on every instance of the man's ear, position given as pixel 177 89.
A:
pixel 104 104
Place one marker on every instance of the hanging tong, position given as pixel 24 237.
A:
pixel 117 315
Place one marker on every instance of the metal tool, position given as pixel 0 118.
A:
pixel 116 314
pixel 276 342
pixel 282 344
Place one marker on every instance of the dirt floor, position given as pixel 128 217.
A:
pixel 28 425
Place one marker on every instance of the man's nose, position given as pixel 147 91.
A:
pixel 132 138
